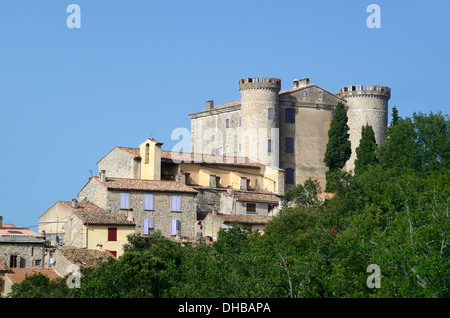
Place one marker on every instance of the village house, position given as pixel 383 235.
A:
pixel 96 230
pixel 62 259
pixel 51 222
pixel 169 206
pixel 21 247
pixel 12 276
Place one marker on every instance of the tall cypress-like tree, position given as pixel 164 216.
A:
pixel 365 152
pixel 338 147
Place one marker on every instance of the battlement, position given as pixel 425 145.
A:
pixel 256 83
pixel 359 91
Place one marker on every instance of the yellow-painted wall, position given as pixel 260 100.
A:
pixel 98 234
pixel 150 152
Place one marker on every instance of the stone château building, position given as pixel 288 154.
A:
pixel 287 129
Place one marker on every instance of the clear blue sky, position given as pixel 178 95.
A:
pixel 137 68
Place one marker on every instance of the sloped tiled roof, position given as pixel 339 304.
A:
pixel 103 218
pixel 256 197
pixel 82 206
pixel 17 275
pixel 245 218
pixel 84 258
pixel 198 158
pixel 146 185
pixel 18 231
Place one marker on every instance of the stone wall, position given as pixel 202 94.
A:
pixel 119 164
pixel 161 215
pixel 27 253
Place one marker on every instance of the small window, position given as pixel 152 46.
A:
pixel 269 145
pixel 289 145
pixel 320 95
pixel 289 176
pixel 112 234
pixel 270 114
pixel 251 207
pixel 176 203
pixel 37 262
pixel 240 122
pixel 289 115
pixel 114 253
pixel 227 123
pixel 305 93
pixel 148 201
pixel 124 200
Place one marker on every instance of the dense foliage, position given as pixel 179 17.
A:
pixel 393 213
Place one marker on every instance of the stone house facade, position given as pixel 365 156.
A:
pixel 21 247
pixel 169 206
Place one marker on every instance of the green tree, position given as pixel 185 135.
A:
pixel 338 149
pixel 303 194
pixel 365 152
pixel 39 286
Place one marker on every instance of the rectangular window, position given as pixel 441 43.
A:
pixel 176 203
pixel 227 123
pixel 148 201
pixel 289 115
pixel 270 115
pixel 251 207
pixel 124 200
pixel 112 234
pixel 114 253
pixel 269 145
pixel 240 122
pixel 319 95
pixel 13 261
pixel 289 176
pixel 176 226
pixel 148 226
pixel 289 145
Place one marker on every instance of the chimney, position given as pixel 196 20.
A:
pixel 74 203
pixel 209 105
pixel 301 82
pixel 1 221
pixel 103 176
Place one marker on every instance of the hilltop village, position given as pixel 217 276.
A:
pixel 270 140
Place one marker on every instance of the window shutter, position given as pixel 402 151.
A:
pixel 148 224
pixel 176 203
pixel 148 201
pixel 124 201
pixel 270 114
pixel 174 227
pixel 112 234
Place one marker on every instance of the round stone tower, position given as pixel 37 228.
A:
pixel 365 106
pixel 260 118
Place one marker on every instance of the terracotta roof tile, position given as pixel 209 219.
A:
pixel 257 197
pixel 198 157
pixel 17 275
pixel 85 258
pixel 103 218
pixel 82 206
pixel 245 218
pixel 146 185
pixel 18 231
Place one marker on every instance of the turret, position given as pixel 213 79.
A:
pixel 365 106
pixel 260 118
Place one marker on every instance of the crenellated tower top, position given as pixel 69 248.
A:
pixel 376 91
pixel 265 83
